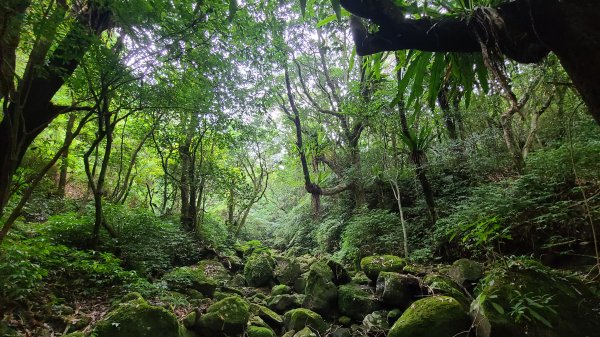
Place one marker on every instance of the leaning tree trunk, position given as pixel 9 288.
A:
pixel 28 109
pixel 523 30
pixel 64 164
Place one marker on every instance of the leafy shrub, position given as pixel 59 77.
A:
pixel 371 232
pixel 28 266
pixel 145 243
pixel 213 232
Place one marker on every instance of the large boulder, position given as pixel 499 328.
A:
pixel 273 319
pixel 226 317
pixel 443 285
pixel 287 270
pixel 281 303
pixel 321 293
pixel 298 319
pixel 551 303
pixel 214 270
pixel 258 270
pixel 465 271
pixel 259 331
pixel 137 318
pixel 436 316
pixel 340 274
pixel 184 279
pixel 396 289
pixel 356 301
pixel 373 265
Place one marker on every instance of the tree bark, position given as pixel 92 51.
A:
pixel 523 30
pixel 28 110
pixel 64 165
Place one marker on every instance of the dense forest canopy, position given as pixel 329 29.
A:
pixel 369 160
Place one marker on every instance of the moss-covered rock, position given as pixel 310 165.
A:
pixel 464 271
pixel 376 322
pixel 184 278
pixel 443 285
pixel 340 274
pixel 397 289
pixel 373 265
pixel 214 270
pixel 306 332
pixel 321 293
pixel 226 317
pixel 281 303
pixel 298 319
pixel 259 331
pixel 361 278
pixel 287 270
pixel 553 304
pixel 300 283
pixel 238 280
pixel 356 301
pixel 137 318
pixel 258 270
pixel 345 320
pixel 436 316
pixel 280 289
pixel 270 317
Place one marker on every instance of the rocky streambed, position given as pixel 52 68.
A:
pixel 262 294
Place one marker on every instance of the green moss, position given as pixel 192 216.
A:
pixel 269 316
pixel 226 317
pixel 287 270
pixel 185 278
pixel 72 334
pixel 258 270
pixel 214 270
pixel 437 316
pixel 443 285
pixel 306 332
pixel 345 320
pixel 464 270
pixel 259 331
pixel 280 289
pixel 297 319
pixel 373 265
pixel 140 319
pixel 321 292
pixel 356 301
pixel 397 289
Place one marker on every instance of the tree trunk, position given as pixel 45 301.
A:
pixel 28 110
pixel 64 165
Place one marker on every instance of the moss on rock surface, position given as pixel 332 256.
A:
pixel 437 316
pixel 258 270
pixel 259 331
pixel 356 301
pixel 397 289
pixel 373 265
pixel 297 319
pixel 186 278
pixel 443 285
pixel 465 270
pixel 226 317
pixel 287 270
pixel 321 293
pixel 137 318
pixel 562 305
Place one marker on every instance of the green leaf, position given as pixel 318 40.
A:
pixel 326 20
pixel 352 58
pixel 417 86
pixel 436 78
pixel 540 318
pixel 498 308
pixel 337 8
